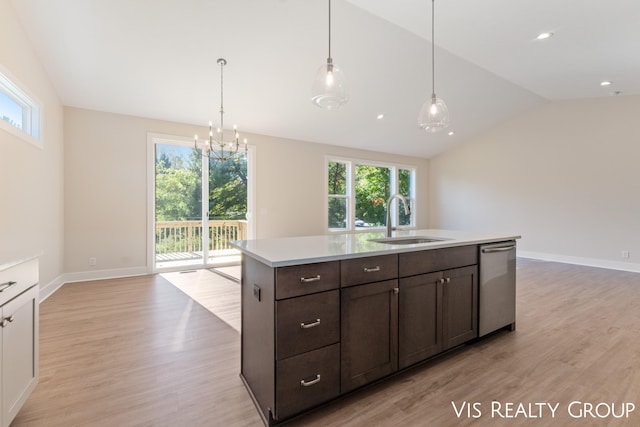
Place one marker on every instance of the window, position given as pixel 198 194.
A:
pixel 358 191
pixel 19 113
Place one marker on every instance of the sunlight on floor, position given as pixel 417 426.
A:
pixel 219 295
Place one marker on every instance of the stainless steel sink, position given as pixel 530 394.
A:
pixel 407 240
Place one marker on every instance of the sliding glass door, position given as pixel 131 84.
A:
pixel 198 205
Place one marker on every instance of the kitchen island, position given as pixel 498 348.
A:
pixel 325 315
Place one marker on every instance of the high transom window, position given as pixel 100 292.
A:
pixel 20 114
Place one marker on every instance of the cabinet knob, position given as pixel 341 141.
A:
pixel 396 290
pixel 448 279
pixel 310 325
pixel 440 281
pixel 305 383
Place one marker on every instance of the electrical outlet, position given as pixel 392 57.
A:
pixel 625 254
pixel 93 261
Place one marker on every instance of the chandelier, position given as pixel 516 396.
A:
pixel 217 148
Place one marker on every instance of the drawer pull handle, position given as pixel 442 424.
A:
pixel 309 279
pixel 6 286
pixel 310 325
pixel 372 270
pixel 316 380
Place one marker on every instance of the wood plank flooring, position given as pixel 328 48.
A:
pixel 219 295
pixel 138 351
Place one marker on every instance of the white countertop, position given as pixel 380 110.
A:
pixel 5 265
pixel 279 252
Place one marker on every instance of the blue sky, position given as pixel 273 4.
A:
pixel 9 108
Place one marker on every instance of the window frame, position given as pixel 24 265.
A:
pixel 351 163
pixel 32 110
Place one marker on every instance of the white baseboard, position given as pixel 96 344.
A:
pixel 47 290
pixel 591 262
pixel 83 276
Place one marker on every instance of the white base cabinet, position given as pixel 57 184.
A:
pixel 19 334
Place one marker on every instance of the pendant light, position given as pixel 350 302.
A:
pixel 217 148
pixel 329 90
pixel 434 115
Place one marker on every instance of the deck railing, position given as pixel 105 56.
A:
pixel 186 236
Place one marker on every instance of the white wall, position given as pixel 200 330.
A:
pixel 106 183
pixel 565 176
pixel 31 179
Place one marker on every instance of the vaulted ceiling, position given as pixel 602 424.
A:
pixel 157 59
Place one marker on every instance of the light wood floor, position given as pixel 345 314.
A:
pixel 139 351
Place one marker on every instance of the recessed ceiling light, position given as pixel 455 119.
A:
pixel 543 36
pixel 605 83
pixel 451 133
pixel 380 116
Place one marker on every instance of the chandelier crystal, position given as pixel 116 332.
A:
pixel 434 114
pixel 217 148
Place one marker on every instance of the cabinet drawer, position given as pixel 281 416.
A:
pixel 412 263
pixel 306 279
pixel 307 380
pixel 366 270
pixel 17 279
pixel 306 323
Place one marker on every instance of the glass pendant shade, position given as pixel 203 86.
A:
pixel 434 115
pixel 329 90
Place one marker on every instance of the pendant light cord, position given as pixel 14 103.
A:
pixel 329 28
pixel 433 48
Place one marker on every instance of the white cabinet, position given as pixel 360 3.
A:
pixel 19 319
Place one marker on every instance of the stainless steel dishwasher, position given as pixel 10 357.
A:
pixel 497 289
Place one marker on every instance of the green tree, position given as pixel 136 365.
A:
pixel 171 186
pixel 228 189
pixel 337 184
pixel 372 191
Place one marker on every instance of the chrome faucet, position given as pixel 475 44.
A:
pixel 407 209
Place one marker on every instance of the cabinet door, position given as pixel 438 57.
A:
pixel 369 339
pixel 420 318
pixel 19 351
pixel 460 305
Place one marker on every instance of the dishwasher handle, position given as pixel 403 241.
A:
pixel 498 249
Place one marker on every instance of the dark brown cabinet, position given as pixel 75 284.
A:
pixel 313 332
pixel 459 306
pixel 290 336
pixel 369 333
pixel 420 318
pixel 437 310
